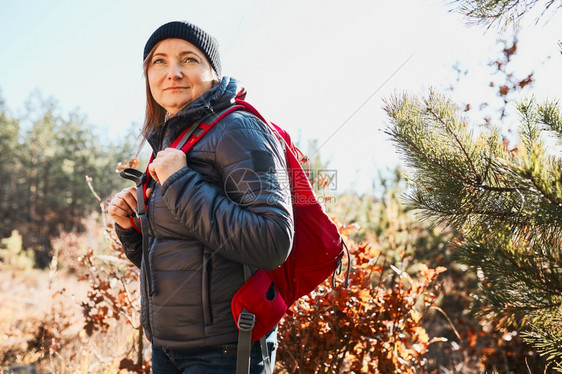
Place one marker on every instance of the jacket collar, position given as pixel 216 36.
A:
pixel 215 100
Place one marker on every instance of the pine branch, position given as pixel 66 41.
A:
pixel 407 143
pixel 553 199
pixel 526 276
pixel 536 118
pixel 490 11
pixel 504 12
pixel 551 118
pixel 452 195
pixel 402 140
pixel 461 145
pixel 546 336
pixel 422 204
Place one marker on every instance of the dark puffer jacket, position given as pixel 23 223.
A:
pixel 228 207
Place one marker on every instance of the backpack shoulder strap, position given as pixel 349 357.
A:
pixel 282 135
pixel 190 136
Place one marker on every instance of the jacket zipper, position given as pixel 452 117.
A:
pixel 205 289
pixel 148 282
pixel 147 305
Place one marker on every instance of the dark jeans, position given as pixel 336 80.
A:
pixel 217 359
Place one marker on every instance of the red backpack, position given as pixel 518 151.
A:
pixel 316 252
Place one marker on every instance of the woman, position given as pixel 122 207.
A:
pixel 209 213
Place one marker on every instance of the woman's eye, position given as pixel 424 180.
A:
pixel 190 59
pixel 157 61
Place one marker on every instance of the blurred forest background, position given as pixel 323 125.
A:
pixel 455 258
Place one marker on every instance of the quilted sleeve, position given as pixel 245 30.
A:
pixel 248 218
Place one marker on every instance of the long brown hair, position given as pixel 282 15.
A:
pixel 154 114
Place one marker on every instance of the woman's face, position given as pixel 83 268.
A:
pixel 178 73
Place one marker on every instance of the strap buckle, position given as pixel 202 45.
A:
pixel 246 321
pixel 132 174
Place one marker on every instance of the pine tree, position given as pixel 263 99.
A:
pixel 44 159
pixel 9 131
pixel 505 202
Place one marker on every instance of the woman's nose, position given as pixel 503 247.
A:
pixel 174 72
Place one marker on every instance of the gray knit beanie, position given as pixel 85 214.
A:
pixel 190 33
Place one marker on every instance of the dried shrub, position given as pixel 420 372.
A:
pixel 113 295
pixel 373 326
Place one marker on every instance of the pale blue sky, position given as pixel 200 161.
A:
pixel 307 65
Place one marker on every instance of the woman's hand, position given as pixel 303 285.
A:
pixel 166 163
pixel 122 206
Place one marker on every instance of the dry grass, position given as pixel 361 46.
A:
pixel 41 318
pixel 41 311
pixel 42 327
